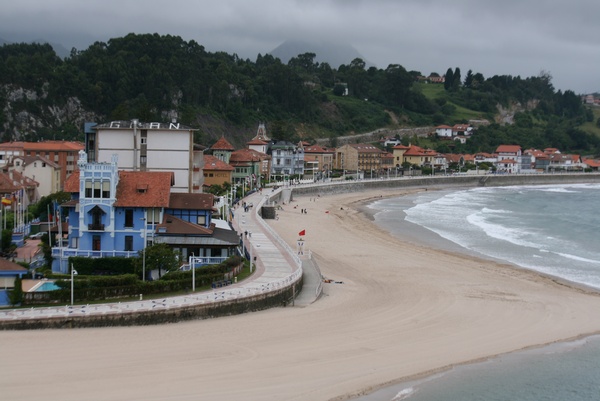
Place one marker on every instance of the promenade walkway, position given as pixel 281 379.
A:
pixel 276 267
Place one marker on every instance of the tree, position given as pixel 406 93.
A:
pixel 456 79
pixel 159 257
pixel 449 79
pixel 16 295
pixel 469 79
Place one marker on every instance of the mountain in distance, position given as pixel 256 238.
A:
pixel 335 54
pixel 62 44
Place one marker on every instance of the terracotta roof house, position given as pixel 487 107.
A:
pixel 61 153
pixel 251 167
pixel 119 213
pixel 222 149
pixel 216 171
pixel 509 159
pixel 318 161
pixel 358 157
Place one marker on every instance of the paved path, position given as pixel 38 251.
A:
pixel 276 267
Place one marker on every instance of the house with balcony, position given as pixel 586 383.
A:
pixel 251 167
pixel 318 162
pixel 114 212
pixel 286 159
pixel 359 157
pixel 508 159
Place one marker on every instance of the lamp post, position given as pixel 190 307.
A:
pixel 192 265
pixel 144 251
pixel 73 274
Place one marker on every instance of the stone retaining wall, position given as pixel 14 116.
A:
pixel 254 303
pixel 443 181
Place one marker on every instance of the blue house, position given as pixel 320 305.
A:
pixel 9 271
pixel 118 213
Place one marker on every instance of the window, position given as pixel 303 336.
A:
pixel 106 189
pixel 201 220
pixel 129 243
pixel 97 193
pixel 96 243
pixel 88 189
pixel 153 215
pixel 129 218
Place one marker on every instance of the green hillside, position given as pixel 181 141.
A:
pixel 157 78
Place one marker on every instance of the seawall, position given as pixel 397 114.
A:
pixel 490 180
pixel 272 299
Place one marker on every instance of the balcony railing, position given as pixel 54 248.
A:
pixel 96 227
pixel 72 252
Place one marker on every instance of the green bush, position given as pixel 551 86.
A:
pixel 102 266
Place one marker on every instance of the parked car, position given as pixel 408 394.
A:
pixel 37 235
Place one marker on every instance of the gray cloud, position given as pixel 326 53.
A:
pixel 515 37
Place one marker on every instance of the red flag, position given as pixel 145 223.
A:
pixel 303 232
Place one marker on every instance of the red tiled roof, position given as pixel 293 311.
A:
pixel 173 225
pixel 508 149
pixel 365 148
pixel 316 149
pixel 247 155
pixel 144 188
pixel 256 141
pixel 592 162
pixel 72 182
pixel 7 265
pixel 418 151
pixel 222 144
pixel 191 201
pixel 214 163
pixel 53 146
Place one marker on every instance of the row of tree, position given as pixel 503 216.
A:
pixel 147 76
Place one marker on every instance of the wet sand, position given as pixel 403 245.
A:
pixel 402 310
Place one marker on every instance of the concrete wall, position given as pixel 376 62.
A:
pixel 445 181
pixel 268 300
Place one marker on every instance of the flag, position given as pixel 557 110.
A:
pixel 303 232
pixel 6 201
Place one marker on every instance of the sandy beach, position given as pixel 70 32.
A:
pixel 397 311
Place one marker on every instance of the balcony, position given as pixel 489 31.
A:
pixel 95 227
pixel 65 253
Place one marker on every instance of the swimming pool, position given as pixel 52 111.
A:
pixel 47 286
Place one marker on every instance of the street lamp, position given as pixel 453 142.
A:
pixel 73 274
pixel 193 266
pixel 144 251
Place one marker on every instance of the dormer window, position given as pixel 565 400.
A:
pixel 142 188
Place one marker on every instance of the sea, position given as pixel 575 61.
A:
pixel 553 230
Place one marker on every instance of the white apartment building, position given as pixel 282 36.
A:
pixel 152 146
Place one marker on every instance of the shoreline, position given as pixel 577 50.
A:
pixel 359 204
pixel 395 312
pixel 443 245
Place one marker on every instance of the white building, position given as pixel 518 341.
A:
pixel 45 172
pixel 152 146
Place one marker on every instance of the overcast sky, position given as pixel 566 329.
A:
pixel 493 37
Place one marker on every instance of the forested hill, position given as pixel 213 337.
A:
pixel 158 78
